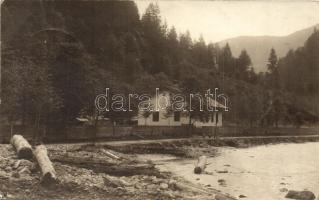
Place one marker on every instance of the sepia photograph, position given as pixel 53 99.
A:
pixel 159 100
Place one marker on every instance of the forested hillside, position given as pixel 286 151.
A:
pixel 55 60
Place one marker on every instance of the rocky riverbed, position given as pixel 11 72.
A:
pixel 250 168
pixel 21 179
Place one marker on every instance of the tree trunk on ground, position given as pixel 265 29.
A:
pixel 111 155
pixel 111 167
pixel 200 165
pixel 22 147
pixel 48 172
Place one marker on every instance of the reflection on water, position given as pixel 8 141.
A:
pixel 263 172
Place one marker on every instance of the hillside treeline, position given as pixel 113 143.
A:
pixel 58 55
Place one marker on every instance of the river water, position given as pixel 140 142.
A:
pixel 259 173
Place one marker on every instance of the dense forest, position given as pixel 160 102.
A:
pixel 57 56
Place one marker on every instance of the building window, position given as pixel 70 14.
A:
pixel 212 117
pixel 155 116
pixel 177 116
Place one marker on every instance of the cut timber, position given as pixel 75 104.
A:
pixel 22 147
pixel 200 165
pixel 111 155
pixel 48 172
pixel 111 167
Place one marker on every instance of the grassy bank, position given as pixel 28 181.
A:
pixel 194 147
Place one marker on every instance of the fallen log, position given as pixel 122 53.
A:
pixel 112 167
pixel 153 148
pixel 200 165
pixel 48 172
pixel 22 147
pixel 111 155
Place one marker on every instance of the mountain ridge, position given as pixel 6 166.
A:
pixel 258 47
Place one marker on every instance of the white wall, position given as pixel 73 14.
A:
pixel 169 120
pixel 164 120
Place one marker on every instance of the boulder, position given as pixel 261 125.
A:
pixel 300 195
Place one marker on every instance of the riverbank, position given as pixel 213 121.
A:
pixel 264 172
pixel 150 169
pixel 196 146
pixel 85 172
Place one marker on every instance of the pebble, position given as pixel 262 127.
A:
pixel 283 190
pixel 155 180
pixel 16 175
pixel 163 186
pixel 222 182
pixel 152 187
pixel 242 196
pixel 8 169
pixel 222 171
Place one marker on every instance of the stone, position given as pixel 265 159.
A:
pixel 242 196
pixel 16 175
pixel 8 169
pixel 124 182
pixel 222 182
pixel 26 163
pixel 155 180
pixel 169 194
pixel 163 186
pixel 222 197
pixel 283 190
pixel 16 164
pixel 300 195
pixel 138 186
pixel 222 171
pixel 152 187
pixel 172 185
pixel 25 170
pixel 114 182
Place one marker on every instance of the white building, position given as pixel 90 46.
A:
pixel 179 118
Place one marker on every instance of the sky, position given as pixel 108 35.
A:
pixel 219 20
